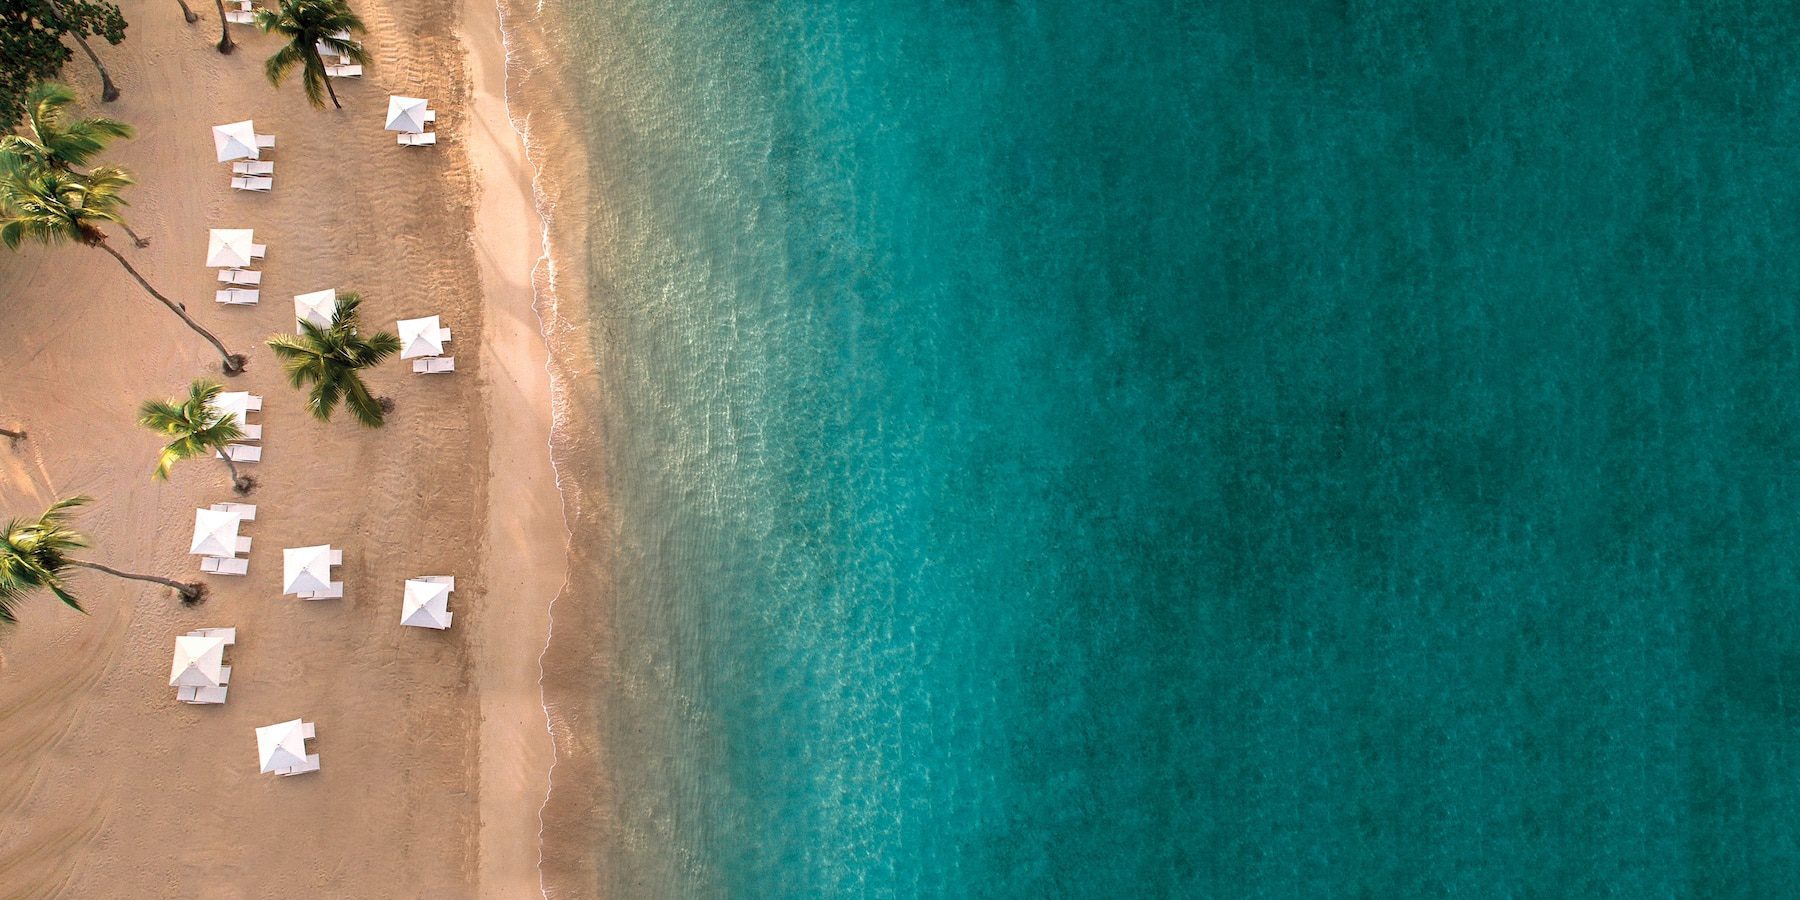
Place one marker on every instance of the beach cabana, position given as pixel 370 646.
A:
pixel 236 141
pixel 421 337
pixel 282 748
pixel 232 248
pixel 317 307
pixel 426 601
pixel 306 572
pixel 408 114
pixel 216 534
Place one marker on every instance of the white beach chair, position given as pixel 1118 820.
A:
pixel 242 452
pixel 252 432
pixel 240 17
pixel 254 402
pixel 333 591
pixel 240 276
pixel 258 183
pixel 311 765
pixel 434 365
pixel 201 695
pixel 229 634
pixel 444 335
pixel 429 115
pixel 224 674
pixel 237 297
pixel 253 167
pixel 258 251
pixel 418 140
pixel 265 142
pixel 439 579
pixel 245 511
pixel 349 70
pixel 243 544
pixel 213 565
pixel 337 557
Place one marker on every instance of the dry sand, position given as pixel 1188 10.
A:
pixel 433 745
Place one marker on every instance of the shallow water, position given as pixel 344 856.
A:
pixel 1140 449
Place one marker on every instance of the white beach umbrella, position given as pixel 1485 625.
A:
pixel 234 404
pixel 406 114
pixel 425 604
pixel 281 746
pixel 197 661
pixel 229 248
pixel 317 307
pixel 215 533
pixel 236 141
pixel 306 569
pixel 420 337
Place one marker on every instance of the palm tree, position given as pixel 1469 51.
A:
pixel 307 24
pixel 53 207
pixel 108 91
pixel 53 140
pixel 35 554
pixel 194 429
pixel 225 45
pixel 328 359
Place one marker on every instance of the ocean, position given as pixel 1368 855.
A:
pixel 1157 449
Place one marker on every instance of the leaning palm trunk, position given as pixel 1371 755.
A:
pixel 17 434
pixel 136 239
pixel 225 44
pixel 187 14
pixel 187 590
pixel 234 363
pixel 314 60
pixel 108 91
pixel 238 482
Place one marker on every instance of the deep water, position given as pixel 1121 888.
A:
pixel 1198 449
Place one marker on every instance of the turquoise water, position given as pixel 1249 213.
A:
pixel 1177 449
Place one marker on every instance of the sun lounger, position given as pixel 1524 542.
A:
pixel 440 579
pixel 259 183
pixel 246 5
pixel 229 634
pixel 237 297
pixel 245 511
pixel 337 557
pixel 434 365
pixel 418 140
pixel 265 141
pixel 243 544
pixel 224 674
pixel 240 276
pixel 212 565
pixel 311 765
pixel 201 695
pixel 333 592
pixel 444 335
pixel 253 167
pixel 429 115
pixel 309 730
pixel 242 452
pixel 240 17
pixel 258 251
pixel 344 71
pixel 254 402
pixel 252 432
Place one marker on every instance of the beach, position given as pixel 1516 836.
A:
pixel 433 745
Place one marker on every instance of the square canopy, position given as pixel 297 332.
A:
pixel 282 745
pixel 229 248
pixel 236 141
pixel 306 569
pixel 198 660
pixel 234 404
pixel 317 307
pixel 420 337
pixel 406 114
pixel 425 604
pixel 215 533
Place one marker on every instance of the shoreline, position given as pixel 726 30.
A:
pixel 517 742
